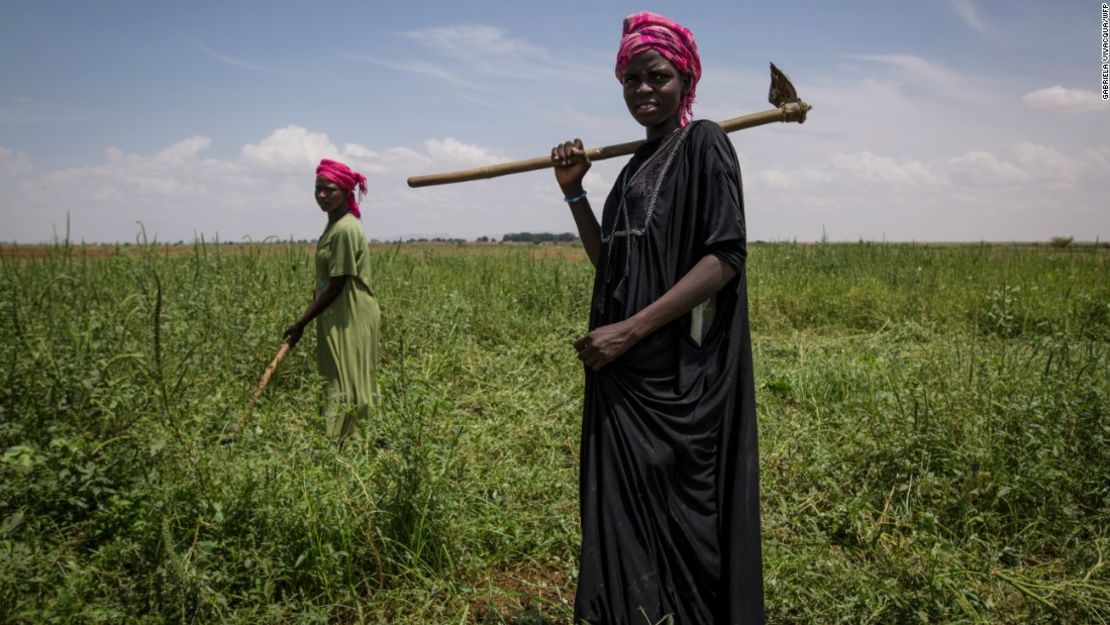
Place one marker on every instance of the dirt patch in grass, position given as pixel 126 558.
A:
pixel 533 594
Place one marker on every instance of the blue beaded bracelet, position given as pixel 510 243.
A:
pixel 577 198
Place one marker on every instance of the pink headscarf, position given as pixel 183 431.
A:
pixel 347 179
pixel 651 31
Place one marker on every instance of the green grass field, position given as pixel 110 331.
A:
pixel 935 437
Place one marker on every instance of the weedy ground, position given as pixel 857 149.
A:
pixel 935 443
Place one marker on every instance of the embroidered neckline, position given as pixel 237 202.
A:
pixel 671 146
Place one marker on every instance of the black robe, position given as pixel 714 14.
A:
pixel 669 481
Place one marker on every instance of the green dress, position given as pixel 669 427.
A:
pixel 347 330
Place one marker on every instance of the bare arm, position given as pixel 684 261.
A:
pixel 571 165
pixel 588 229
pixel 324 299
pixel 606 343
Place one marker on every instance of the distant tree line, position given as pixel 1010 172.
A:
pixel 456 241
pixel 539 237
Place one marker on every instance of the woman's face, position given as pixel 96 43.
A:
pixel 329 196
pixel 653 91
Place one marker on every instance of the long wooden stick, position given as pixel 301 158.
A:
pixel 268 373
pixel 794 111
pixel 231 433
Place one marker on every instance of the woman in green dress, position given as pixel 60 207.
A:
pixel 348 318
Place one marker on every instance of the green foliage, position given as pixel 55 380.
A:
pixel 934 437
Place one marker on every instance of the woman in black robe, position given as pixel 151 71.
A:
pixel 669 480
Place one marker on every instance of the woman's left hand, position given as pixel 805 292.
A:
pixel 293 334
pixel 606 343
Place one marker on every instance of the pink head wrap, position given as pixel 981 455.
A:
pixel 347 179
pixel 651 31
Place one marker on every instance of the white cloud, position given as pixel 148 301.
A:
pixel 223 58
pixel 1060 100
pixel 479 51
pixel 176 171
pixel 13 163
pixel 1049 161
pixel 450 150
pixel 264 190
pixel 1025 191
pixel 966 9
pixel 979 168
pixel 913 67
pixel 241 64
pixel 926 80
pixel 1024 163
pixel 295 149
pixel 474 40
pixel 415 67
pixel 1015 192
pixel 404 158
pixel 184 150
pixel 1097 158
pixel 289 149
pixel 773 178
pixel 884 169
pixel 596 180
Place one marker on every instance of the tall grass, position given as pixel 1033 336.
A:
pixel 934 437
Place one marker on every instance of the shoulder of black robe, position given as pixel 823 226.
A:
pixel 720 209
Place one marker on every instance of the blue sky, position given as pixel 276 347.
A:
pixel 950 120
